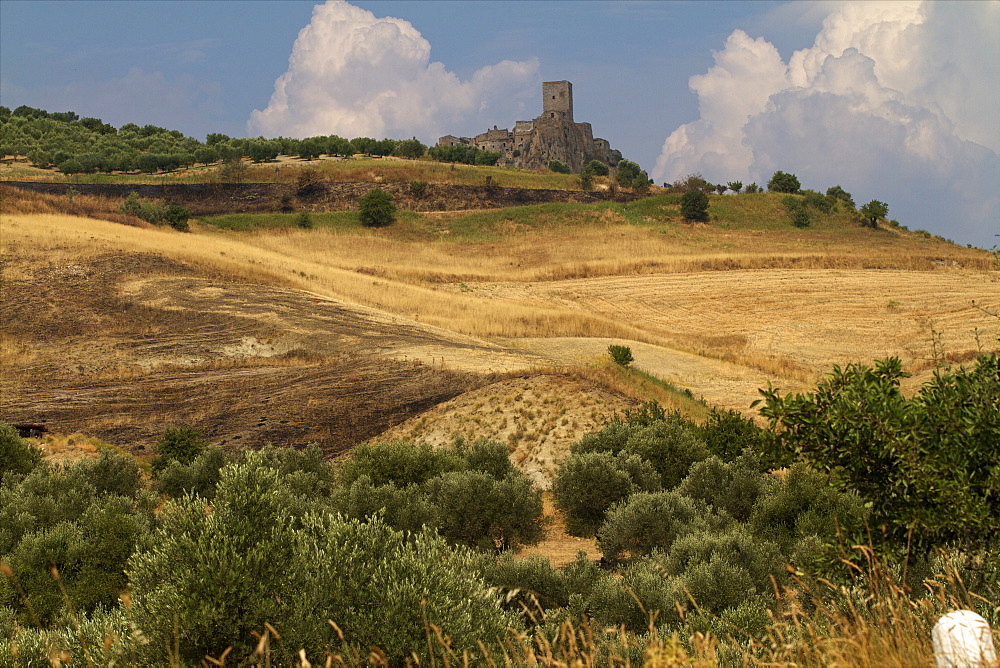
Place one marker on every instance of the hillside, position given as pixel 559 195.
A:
pixel 343 331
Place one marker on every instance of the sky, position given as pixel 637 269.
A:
pixel 893 101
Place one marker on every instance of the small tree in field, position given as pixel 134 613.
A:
pixel 873 211
pixel 694 205
pixel 376 209
pixel 784 183
pixel 622 355
pixel 735 186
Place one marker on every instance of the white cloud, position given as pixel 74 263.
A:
pixel 883 103
pixel 353 74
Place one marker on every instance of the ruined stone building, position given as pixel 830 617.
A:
pixel 552 136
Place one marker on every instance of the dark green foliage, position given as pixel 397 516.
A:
pixel 727 434
pixel 753 188
pixel 182 444
pixel 928 464
pixel 622 355
pixel 471 494
pixel 399 463
pixel 797 211
pixel 694 205
pixel 264 555
pixel 530 585
pixel 418 188
pixel 731 488
pixel 672 447
pixel 819 202
pixel 737 554
pixel 490 457
pixel 304 221
pixel 559 167
pixel 177 217
pixel 71 166
pixel 735 186
pixel 597 168
pixel 874 211
pixel 646 521
pixel 588 484
pixel 410 148
pixel 784 183
pixel 17 456
pixel 475 509
pixel 375 209
pixel 628 173
pixel 841 195
pixel 200 476
pixel 85 520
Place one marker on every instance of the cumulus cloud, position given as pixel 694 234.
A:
pixel 353 74
pixel 883 103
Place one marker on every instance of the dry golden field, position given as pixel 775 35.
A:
pixel 718 309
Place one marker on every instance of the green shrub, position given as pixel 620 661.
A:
pixel 198 477
pixel 399 463
pixel 375 209
pixel 729 487
pixel 648 521
pixel 727 434
pixel 694 205
pixel 806 504
pixel 17 456
pixel 782 182
pixel 672 447
pixel 597 168
pixel 588 484
pixel 304 221
pixel 264 555
pixel 622 355
pixel 182 443
pixel 177 217
pixel 477 510
pixel 113 472
pixel 559 167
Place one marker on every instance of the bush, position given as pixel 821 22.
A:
pixel 559 167
pixel 727 434
pixel 182 444
pixel 477 510
pixel 731 488
pixel 784 183
pixel 375 209
pixel 399 463
pixel 672 447
pixel 304 221
pixel 199 477
pixel 647 521
pixel 597 168
pixel 264 555
pixel 797 211
pixel 694 205
pixel 17 456
pixel 622 355
pixel 927 464
pixel 588 484
pixel 177 217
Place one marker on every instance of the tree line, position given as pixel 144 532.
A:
pixel 76 145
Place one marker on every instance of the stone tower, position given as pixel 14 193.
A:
pixel 557 100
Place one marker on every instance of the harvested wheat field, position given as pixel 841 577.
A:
pixel 426 328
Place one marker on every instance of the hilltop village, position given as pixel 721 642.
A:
pixel 552 136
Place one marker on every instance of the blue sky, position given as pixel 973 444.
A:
pixel 896 102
